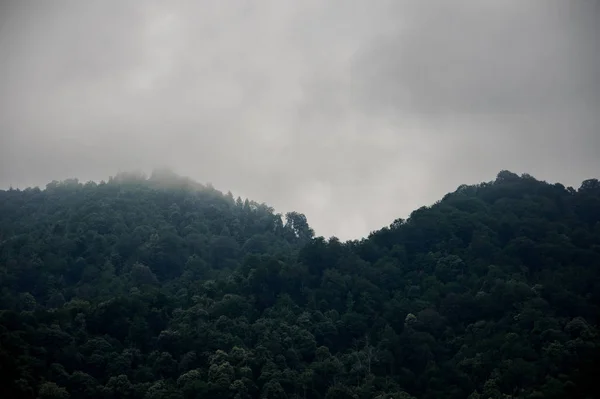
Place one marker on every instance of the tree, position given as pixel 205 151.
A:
pixel 49 390
pixel 297 224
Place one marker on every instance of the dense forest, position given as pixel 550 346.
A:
pixel 159 287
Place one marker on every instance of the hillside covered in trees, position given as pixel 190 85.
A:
pixel 155 288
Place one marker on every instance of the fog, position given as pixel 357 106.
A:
pixel 352 112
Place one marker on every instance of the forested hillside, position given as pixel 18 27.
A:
pixel 163 288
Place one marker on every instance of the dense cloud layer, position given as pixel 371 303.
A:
pixel 353 112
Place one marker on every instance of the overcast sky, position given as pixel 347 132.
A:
pixel 352 112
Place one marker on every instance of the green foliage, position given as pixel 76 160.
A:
pixel 49 390
pixel 163 288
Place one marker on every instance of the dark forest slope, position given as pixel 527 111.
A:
pixel 163 288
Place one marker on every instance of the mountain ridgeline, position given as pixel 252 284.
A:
pixel 152 288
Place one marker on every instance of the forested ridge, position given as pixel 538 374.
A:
pixel 161 287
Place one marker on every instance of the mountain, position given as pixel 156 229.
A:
pixel 160 287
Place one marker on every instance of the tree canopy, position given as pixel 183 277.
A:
pixel 161 287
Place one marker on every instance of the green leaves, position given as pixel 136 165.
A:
pixel 161 288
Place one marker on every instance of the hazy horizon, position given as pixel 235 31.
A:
pixel 351 112
pixel 148 175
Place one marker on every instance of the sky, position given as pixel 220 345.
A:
pixel 352 112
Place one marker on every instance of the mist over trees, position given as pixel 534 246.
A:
pixel 160 287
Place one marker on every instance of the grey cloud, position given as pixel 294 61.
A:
pixel 485 57
pixel 353 112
